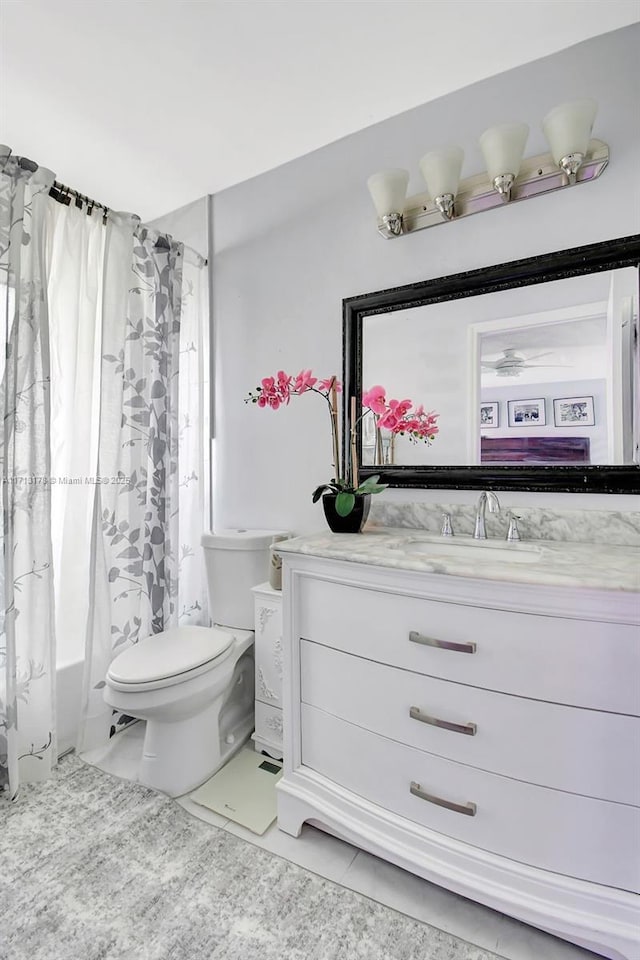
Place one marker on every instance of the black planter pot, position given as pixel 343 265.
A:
pixel 354 521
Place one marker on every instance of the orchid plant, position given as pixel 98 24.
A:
pixel 397 416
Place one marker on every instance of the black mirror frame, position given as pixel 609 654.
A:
pixel 593 258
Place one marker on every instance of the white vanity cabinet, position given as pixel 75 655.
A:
pixel 484 735
pixel 268 667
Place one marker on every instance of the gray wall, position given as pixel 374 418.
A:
pixel 290 244
pixel 187 224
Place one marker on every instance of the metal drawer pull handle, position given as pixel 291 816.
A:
pixel 416 637
pixel 469 728
pixel 469 809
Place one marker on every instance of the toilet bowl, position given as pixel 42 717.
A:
pixel 194 686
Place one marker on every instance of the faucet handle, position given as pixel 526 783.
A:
pixel 513 534
pixel 447 529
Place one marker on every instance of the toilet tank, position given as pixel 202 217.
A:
pixel 236 560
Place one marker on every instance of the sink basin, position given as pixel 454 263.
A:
pixel 468 549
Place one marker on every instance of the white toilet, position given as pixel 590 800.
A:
pixel 194 686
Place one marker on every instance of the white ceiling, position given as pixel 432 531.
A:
pixel 149 104
pixel 588 331
pixel 562 351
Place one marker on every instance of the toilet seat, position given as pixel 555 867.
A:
pixel 168 657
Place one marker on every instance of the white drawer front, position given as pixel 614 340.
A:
pixel 567 748
pixel 577 836
pixel 577 662
pixel 269 725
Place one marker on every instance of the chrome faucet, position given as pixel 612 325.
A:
pixel 486 497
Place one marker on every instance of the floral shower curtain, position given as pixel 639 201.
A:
pixel 27 641
pixel 104 465
pixel 147 572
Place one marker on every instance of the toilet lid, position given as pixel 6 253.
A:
pixel 169 653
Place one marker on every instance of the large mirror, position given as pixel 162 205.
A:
pixel 530 366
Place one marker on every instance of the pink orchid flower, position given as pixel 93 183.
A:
pixel 374 399
pixel 389 421
pixel 326 384
pixel 304 381
pixel 284 381
pixel 400 407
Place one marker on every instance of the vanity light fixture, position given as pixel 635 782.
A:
pixel 503 148
pixel 441 171
pixel 568 131
pixel 574 159
pixel 388 189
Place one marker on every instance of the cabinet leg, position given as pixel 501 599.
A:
pixel 291 813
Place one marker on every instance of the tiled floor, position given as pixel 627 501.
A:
pixel 340 862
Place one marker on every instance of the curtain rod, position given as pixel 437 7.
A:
pixel 59 191
pixel 63 194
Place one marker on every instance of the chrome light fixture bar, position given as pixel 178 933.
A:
pixel 574 159
pixel 538 175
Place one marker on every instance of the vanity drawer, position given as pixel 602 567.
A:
pixel 577 836
pixel 577 662
pixel 567 748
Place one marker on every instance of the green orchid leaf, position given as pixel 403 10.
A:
pixel 369 482
pixel 371 485
pixel 324 488
pixel 366 484
pixel 345 503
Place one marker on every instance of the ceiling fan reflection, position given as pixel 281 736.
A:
pixel 511 363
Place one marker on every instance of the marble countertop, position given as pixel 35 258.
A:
pixel 552 563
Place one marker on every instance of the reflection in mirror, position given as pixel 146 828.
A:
pixel 541 374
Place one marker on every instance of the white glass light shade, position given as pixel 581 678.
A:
pixel 568 127
pixel 503 147
pixel 388 190
pixel 441 170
